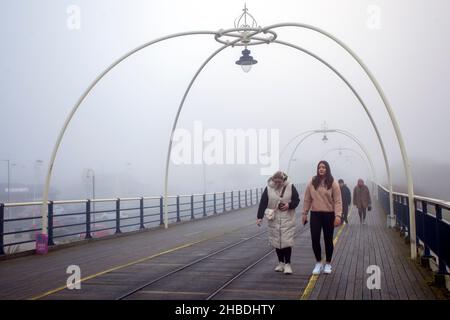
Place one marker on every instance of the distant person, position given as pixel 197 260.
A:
pixel 361 199
pixel 346 199
pixel 323 198
pixel 278 203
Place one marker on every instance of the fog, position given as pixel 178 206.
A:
pixel 121 131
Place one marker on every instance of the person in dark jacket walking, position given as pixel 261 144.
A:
pixel 346 199
pixel 361 199
pixel 281 196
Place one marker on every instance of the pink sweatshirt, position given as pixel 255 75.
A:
pixel 322 199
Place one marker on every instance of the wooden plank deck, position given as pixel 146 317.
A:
pixel 360 246
pixel 115 266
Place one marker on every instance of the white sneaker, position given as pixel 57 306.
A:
pixel 287 268
pixel 318 268
pixel 327 268
pixel 280 267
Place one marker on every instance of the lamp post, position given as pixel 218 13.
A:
pixel 9 179
pixel 37 165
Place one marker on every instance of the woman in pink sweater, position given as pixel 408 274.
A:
pixel 323 198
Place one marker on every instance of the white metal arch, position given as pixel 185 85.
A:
pixel 343 132
pixel 254 32
pixel 44 209
pixel 400 140
pixel 330 67
pixel 367 161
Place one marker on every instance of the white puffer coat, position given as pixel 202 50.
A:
pixel 282 227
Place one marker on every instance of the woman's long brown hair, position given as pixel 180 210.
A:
pixel 328 177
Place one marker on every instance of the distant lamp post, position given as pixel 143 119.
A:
pixel 9 179
pixel 325 129
pixel 37 165
pixel 246 61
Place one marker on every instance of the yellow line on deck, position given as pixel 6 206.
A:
pixel 134 262
pixel 312 281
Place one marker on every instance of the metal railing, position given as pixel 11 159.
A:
pixel 432 224
pixel 74 220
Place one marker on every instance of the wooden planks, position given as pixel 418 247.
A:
pixel 373 244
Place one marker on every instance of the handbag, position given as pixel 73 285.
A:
pixel 270 213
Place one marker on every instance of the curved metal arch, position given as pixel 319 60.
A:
pixel 180 107
pixel 44 209
pixel 330 67
pixel 401 143
pixel 366 109
pixel 370 166
pixel 343 132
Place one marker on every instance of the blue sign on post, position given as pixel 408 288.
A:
pixel 41 243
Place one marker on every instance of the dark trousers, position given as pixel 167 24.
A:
pixel 284 255
pixel 345 212
pixel 362 214
pixel 325 221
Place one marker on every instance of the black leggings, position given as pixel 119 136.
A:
pixel 284 255
pixel 362 214
pixel 325 221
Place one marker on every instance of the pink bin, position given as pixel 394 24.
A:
pixel 41 243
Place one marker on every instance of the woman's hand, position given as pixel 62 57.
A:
pixel 258 222
pixel 284 206
pixel 304 219
pixel 337 221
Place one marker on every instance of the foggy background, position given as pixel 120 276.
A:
pixel 121 131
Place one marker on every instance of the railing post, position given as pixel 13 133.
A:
pixel 251 197
pixel 215 200
pixel 426 253
pixel 224 206
pixel 2 221
pixel 141 212
pixel 239 198
pixel 178 209
pixel 442 269
pixel 246 202
pixel 257 195
pixel 118 216
pixel 232 200
pixel 88 220
pixel 192 207
pixel 204 205
pixel 50 223
pixel 161 222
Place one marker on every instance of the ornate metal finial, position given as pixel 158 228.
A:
pixel 245 20
pixel 246 31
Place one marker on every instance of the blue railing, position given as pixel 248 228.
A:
pixel 432 228
pixel 75 220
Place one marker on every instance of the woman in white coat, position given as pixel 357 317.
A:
pixel 282 197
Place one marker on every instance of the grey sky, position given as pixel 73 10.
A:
pixel 45 67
